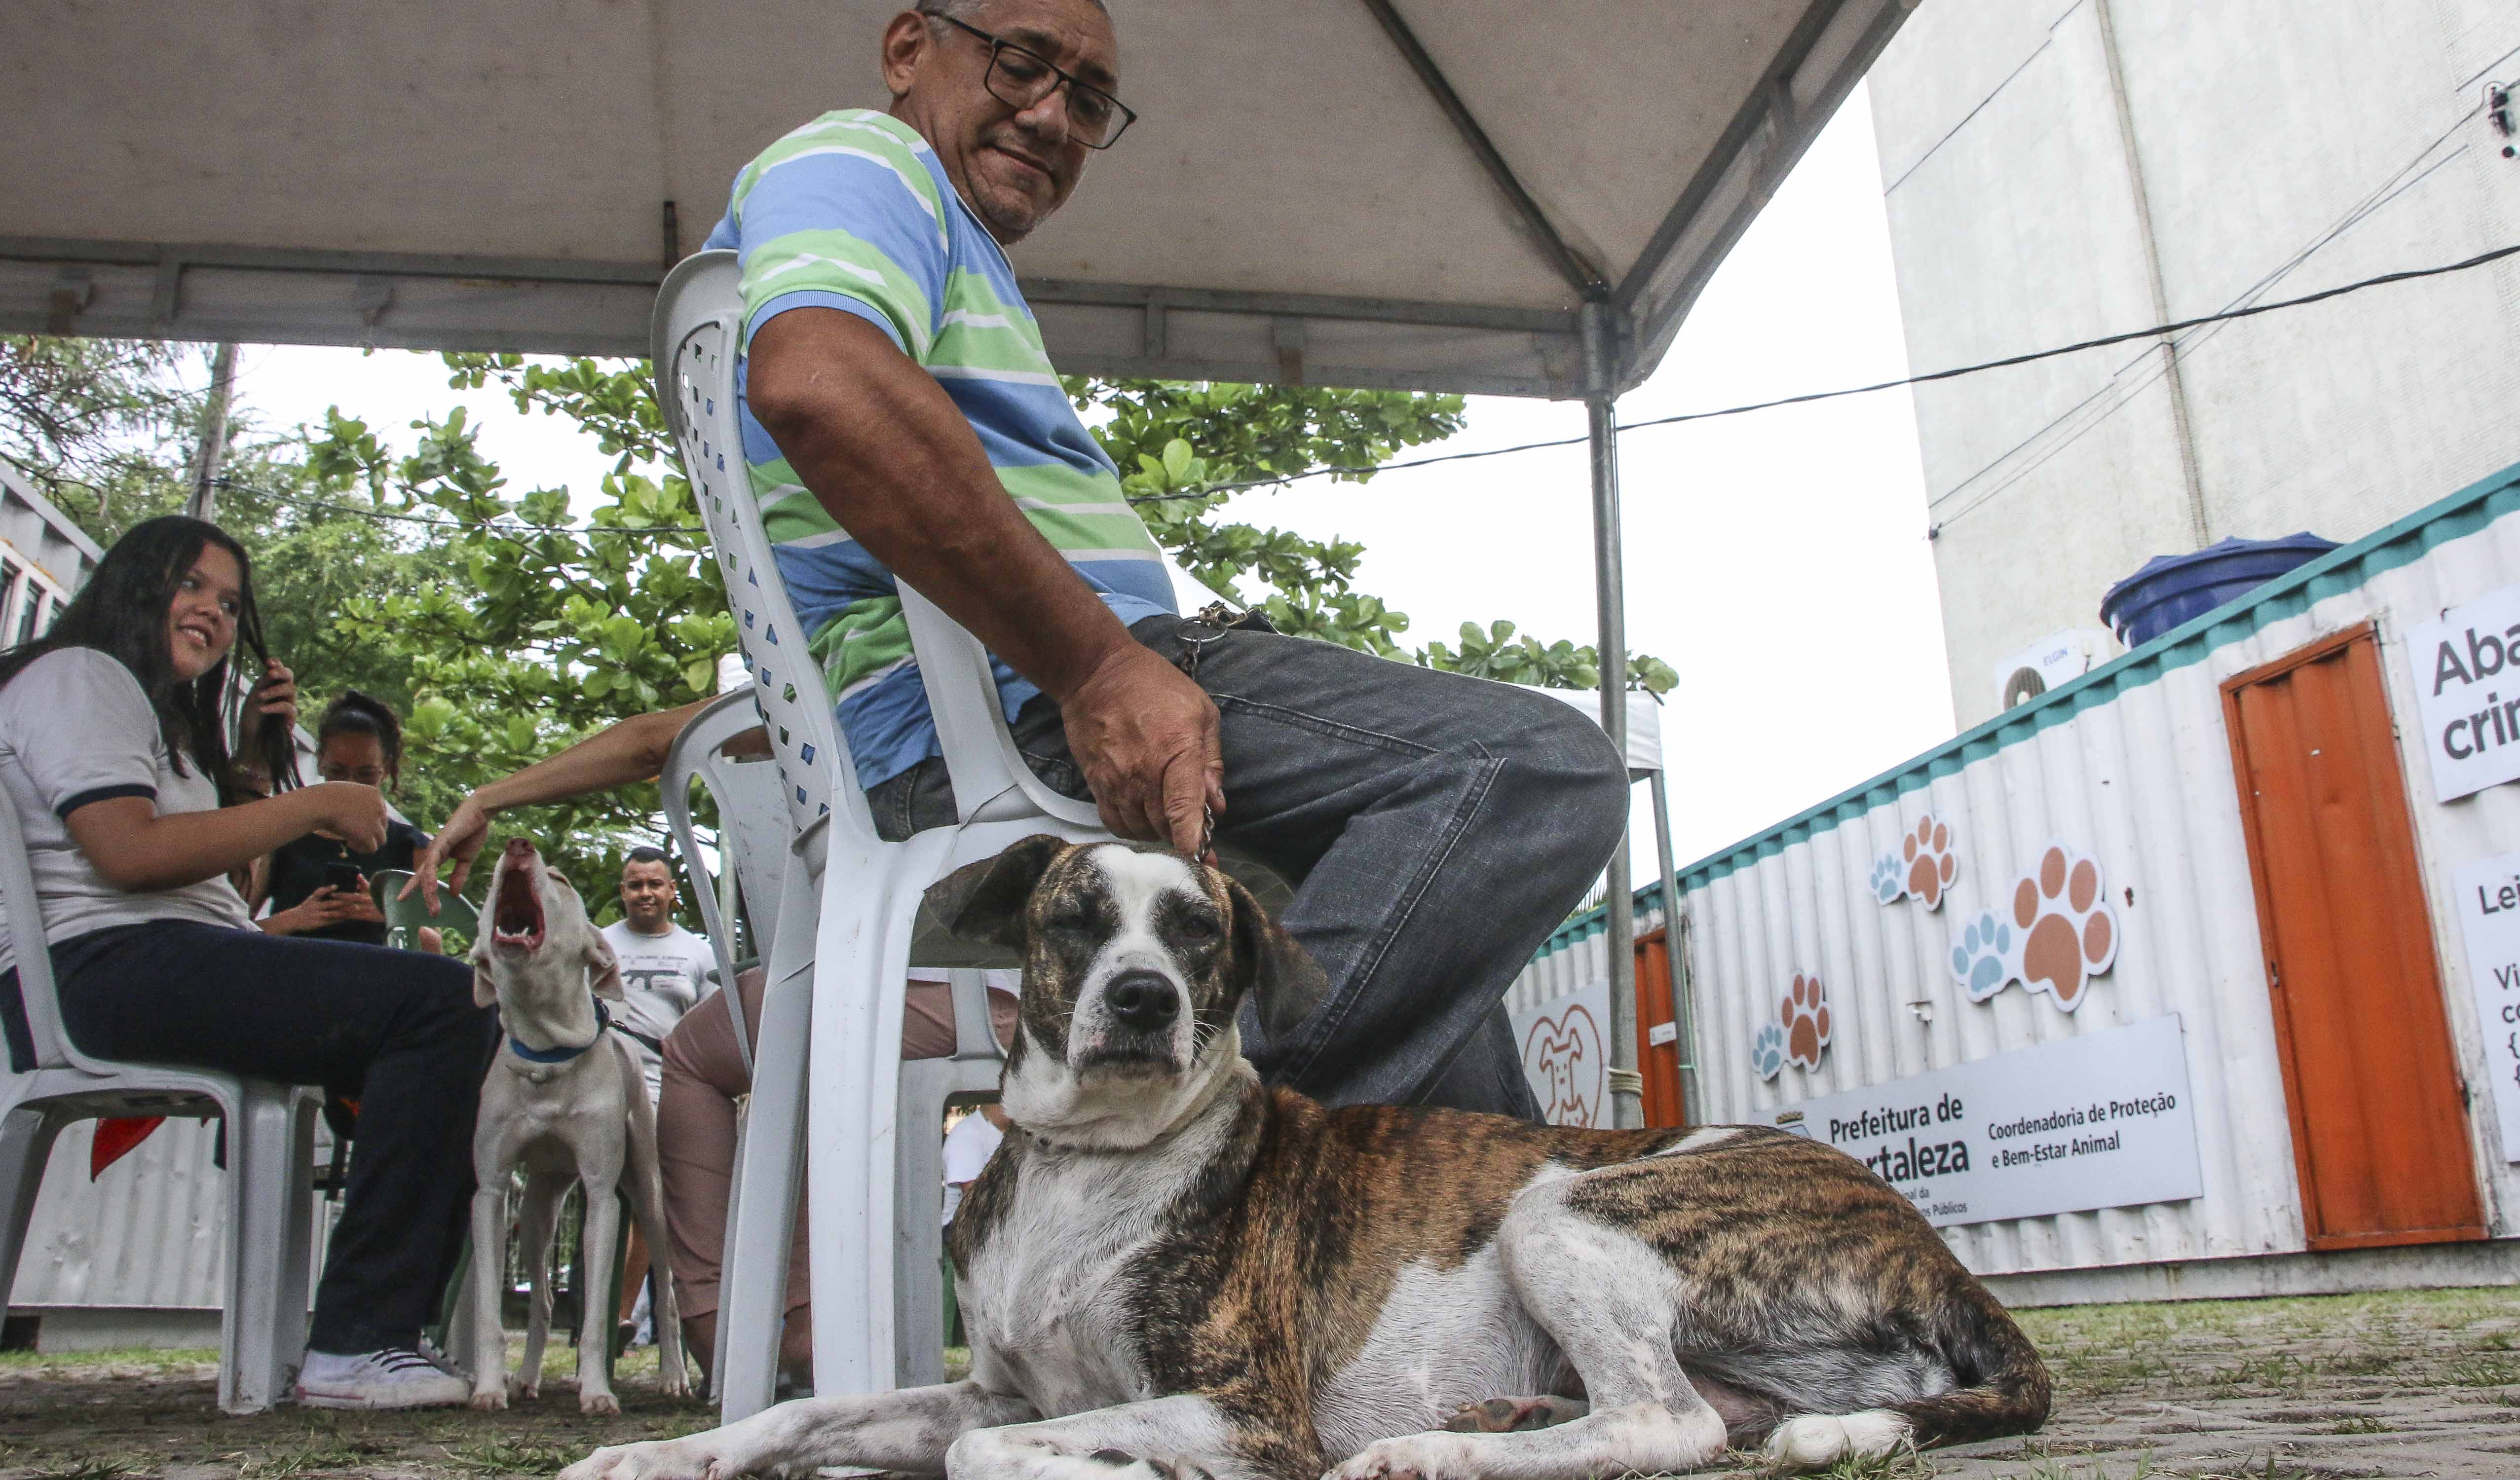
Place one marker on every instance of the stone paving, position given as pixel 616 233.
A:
pixel 2416 1384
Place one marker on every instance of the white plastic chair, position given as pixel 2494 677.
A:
pixel 752 829
pixel 270 1145
pixel 753 841
pixel 849 903
pixel 928 1087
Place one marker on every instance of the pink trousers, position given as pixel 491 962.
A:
pixel 695 1124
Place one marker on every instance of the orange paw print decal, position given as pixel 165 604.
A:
pixel 1922 867
pixel 2069 934
pixel 1804 1014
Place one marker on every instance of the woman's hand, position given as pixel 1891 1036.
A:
pixel 277 693
pixel 327 906
pixel 459 843
pixel 349 812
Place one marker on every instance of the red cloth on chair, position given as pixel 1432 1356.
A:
pixel 116 1135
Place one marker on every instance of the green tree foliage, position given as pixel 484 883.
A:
pixel 103 427
pixel 545 632
pixel 1185 449
pixel 504 629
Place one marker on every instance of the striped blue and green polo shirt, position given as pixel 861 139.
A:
pixel 854 211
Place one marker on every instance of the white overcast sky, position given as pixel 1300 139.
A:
pixel 1776 560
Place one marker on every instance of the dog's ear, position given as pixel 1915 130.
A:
pixel 485 991
pixel 603 968
pixel 1285 982
pixel 986 901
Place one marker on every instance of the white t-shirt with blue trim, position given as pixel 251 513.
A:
pixel 75 728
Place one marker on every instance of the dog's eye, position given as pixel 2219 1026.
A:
pixel 1197 928
pixel 1074 924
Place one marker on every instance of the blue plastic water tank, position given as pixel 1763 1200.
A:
pixel 2174 589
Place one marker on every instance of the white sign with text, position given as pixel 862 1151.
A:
pixel 2099 1121
pixel 2467 668
pixel 2489 922
pixel 1566 1056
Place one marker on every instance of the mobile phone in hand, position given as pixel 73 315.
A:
pixel 344 877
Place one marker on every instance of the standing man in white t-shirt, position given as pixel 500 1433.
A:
pixel 665 971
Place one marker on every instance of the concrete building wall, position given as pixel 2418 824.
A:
pixel 2062 169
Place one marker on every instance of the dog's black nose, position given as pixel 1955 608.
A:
pixel 1143 1001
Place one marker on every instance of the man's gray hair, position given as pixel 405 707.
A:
pixel 968 11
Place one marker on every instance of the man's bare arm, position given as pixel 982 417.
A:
pixel 882 445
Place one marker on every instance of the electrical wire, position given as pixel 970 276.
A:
pixel 2248 312
pixel 2121 393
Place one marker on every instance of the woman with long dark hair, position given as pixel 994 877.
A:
pixel 113 750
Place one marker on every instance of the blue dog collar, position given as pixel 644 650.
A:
pixel 603 1022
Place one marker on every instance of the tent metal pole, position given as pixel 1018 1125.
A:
pixel 1675 957
pixel 1627 1105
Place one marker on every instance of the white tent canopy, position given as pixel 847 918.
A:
pixel 1379 193
pixel 1485 196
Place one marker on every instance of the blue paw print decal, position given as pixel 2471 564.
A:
pixel 1982 958
pixel 1768 1051
pixel 1889 881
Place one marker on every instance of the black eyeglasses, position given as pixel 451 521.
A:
pixel 1022 80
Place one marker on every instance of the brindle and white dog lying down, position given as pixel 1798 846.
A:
pixel 1171 1270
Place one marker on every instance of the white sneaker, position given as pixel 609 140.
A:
pixel 443 1363
pixel 396 1377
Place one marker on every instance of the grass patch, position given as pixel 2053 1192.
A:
pixel 90 1467
pixel 151 1359
pixel 2482 1370
pixel 518 1454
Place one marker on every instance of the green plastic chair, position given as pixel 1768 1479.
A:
pixel 405 916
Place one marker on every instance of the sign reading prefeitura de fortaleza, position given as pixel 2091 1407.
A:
pixel 2099 1121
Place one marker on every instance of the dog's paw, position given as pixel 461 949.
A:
pixel 674 1385
pixel 1816 1441
pixel 599 1403
pixel 1514 1416
pixel 1411 1457
pixel 489 1399
pixel 667 1460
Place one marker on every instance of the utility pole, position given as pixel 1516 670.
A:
pixel 203 503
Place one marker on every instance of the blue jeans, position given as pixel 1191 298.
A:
pixel 1436 829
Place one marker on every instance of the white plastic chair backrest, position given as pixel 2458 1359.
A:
pixel 752 823
pixel 30 955
pixel 694 338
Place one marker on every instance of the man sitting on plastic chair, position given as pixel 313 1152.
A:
pixel 901 415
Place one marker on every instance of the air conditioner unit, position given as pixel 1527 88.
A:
pixel 2053 660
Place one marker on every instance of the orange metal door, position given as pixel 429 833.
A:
pixel 1659 1064
pixel 2380 1126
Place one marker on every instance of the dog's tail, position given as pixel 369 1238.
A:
pixel 2005 1388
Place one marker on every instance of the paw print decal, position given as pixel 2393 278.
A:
pixel 1922 867
pixel 1982 958
pixel 1768 1051
pixel 2057 934
pixel 2070 932
pixel 1804 1014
